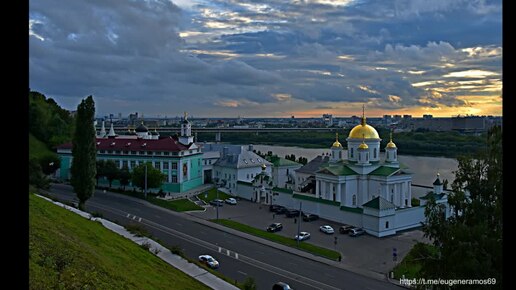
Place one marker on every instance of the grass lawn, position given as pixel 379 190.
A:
pixel 212 194
pixel 412 263
pixel 316 250
pixel 67 251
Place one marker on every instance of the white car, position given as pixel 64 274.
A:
pixel 209 260
pixel 326 229
pixel 230 200
pixel 302 236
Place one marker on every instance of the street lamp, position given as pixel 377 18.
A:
pixel 217 203
pixel 299 225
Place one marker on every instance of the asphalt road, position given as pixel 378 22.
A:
pixel 238 257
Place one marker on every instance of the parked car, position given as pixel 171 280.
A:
pixel 209 261
pixel 308 217
pixel 217 202
pixel 326 229
pixel 231 200
pixel 281 286
pixel 344 229
pixel 274 207
pixel 280 209
pixel 274 227
pixel 292 213
pixel 302 236
pixel 356 232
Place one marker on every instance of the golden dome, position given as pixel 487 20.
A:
pixel 391 144
pixel 364 131
pixel 363 146
pixel 336 144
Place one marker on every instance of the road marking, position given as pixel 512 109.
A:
pixel 134 217
pixel 243 273
pixel 220 250
pixel 236 256
pixel 227 252
pixel 140 219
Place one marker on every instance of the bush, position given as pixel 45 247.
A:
pixel 97 214
pixel 415 201
pixel 138 230
pixel 177 251
pixel 146 245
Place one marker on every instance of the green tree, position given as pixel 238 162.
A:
pixel 100 165
pixel 111 171
pixel 36 176
pixel 84 152
pixel 124 177
pixel 154 176
pixel 49 163
pixel 249 284
pixel 469 242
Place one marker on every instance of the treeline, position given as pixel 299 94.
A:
pixel 447 144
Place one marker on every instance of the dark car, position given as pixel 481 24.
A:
pixel 274 207
pixel 308 217
pixel 345 229
pixel 356 232
pixel 292 213
pixel 281 286
pixel 217 202
pixel 274 227
pixel 281 209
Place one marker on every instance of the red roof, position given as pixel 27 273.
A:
pixel 164 144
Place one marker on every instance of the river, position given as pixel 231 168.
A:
pixel 424 168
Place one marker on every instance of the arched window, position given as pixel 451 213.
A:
pixel 388 155
pixel 367 157
pixel 333 154
pixel 392 198
pixel 394 154
pixel 386 225
pixel 359 157
pixel 354 199
pixel 340 154
pixel 374 153
pixel 351 152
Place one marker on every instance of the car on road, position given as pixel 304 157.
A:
pixel 274 207
pixel 302 236
pixel 344 229
pixel 326 229
pixel 209 261
pixel 274 227
pixel 231 201
pixel 281 286
pixel 217 202
pixel 292 213
pixel 356 232
pixel 280 209
pixel 308 217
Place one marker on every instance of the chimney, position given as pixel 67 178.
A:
pixel 251 147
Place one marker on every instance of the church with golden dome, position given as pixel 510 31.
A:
pixel 364 186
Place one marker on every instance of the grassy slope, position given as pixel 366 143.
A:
pixel 37 149
pixel 67 251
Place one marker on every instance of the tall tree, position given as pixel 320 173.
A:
pixel 124 177
pixel 469 242
pixel 154 176
pixel 100 165
pixel 84 152
pixel 111 171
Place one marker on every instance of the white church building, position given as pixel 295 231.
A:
pixel 358 189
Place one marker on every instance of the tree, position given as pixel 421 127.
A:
pixel 36 176
pixel 249 284
pixel 84 152
pixel 111 171
pixel 469 242
pixel 124 177
pixel 154 176
pixel 49 163
pixel 100 166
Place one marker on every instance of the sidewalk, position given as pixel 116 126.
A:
pixel 163 253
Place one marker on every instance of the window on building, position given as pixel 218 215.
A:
pixel 166 153
pixel 351 152
pixel 133 152
pixel 225 175
pixel 110 151
pixel 174 179
pixel 165 165
pixel 119 163
pixel 133 163
pixel 287 171
pixel 367 157
pixel 209 161
pixel 359 157
pixel 199 162
pixel 374 153
pixel 247 175
pixel 406 202
pixel 101 151
pixel 394 154
pixel 126 152
pixel 124 163
pixel 149 152
pixel 388 156
pixel 117 152
pixel 354 199
pixel 174 165
pixel 386 225
pixel 252 175
pixel 392 190
pixel 234 178
pixel 340 154
pixel 156 165
pixel 392 198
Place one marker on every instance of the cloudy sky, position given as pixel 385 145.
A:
pixel 270 58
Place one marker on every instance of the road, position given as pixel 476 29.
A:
pixel 238 257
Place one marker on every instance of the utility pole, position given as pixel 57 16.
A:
pixel 217 203
pixel 145 192
pixel 299 225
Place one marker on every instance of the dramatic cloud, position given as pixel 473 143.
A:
pixel 269 58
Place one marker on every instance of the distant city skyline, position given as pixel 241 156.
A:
pixel 274 58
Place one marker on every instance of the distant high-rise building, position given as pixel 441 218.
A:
pixel 427 117
pixel 328 119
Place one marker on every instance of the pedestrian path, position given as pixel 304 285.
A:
pixel 163 253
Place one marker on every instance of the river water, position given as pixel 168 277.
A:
pixel 424 168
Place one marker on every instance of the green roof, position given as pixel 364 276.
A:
pixel 431 194
pixel 280 161
pixel 384 171
pixel 319 200
pixel 284 190
pixel 379 203
pixel 337 170
pixel 244 182
pixel 352 209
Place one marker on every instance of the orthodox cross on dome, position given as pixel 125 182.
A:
pixel 337 136
pixel 390 135
pixel 186 115
pixel 363 116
